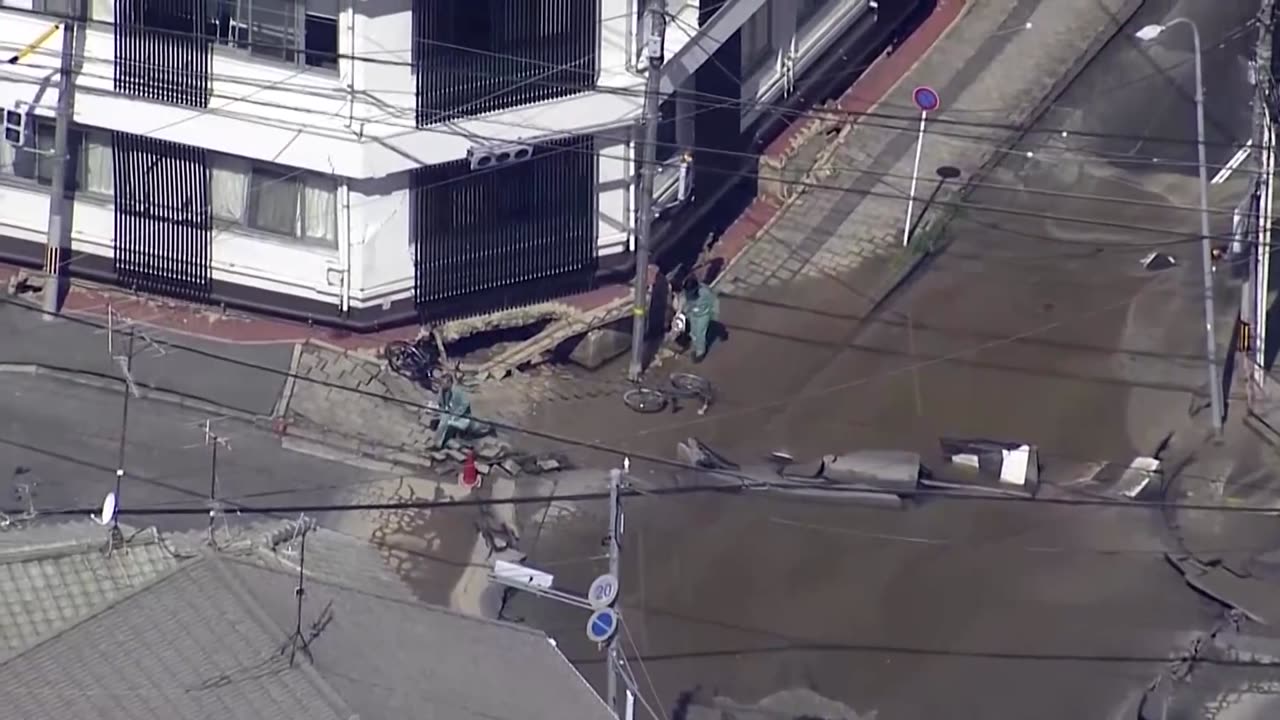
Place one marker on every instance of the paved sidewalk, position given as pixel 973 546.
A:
pixel 987 67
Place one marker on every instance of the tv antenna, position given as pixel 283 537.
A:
pixel 115 317
pixel 213 441
pixel 299 641
pixel 110 515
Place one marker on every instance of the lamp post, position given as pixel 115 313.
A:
pixel 1146 34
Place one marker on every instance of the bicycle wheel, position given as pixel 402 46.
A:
pixel 644 400
pixel 691 385
pixel 402 358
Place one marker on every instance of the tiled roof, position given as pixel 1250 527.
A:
pixel 177 630
pixel 52 576
pixel 186 647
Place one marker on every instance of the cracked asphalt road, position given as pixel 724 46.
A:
pixel 1028 328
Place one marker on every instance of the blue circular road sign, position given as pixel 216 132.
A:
pixel 602 624
pixel 926 98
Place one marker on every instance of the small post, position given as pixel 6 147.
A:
pixel 656 19
pixel 615 561
pixel 126 365
pixel 926 99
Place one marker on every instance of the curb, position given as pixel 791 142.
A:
pixel 355 453
pixel 108 382
pixel 325 446
pixel 897 279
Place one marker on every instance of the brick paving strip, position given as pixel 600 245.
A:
pixel 987 66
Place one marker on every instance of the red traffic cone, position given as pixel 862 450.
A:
pixel 470 477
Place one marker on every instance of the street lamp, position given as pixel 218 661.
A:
pixel 1147 34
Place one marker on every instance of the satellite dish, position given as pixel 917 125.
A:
pixel 108 510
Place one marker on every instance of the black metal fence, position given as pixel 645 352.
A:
pixel 163 226
pixel 490 239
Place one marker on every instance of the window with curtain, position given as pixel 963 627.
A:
pixel 228 189
pixel 95 173
pixel 102 10
pixel 292 205
pixel 6 159
pixel 91 149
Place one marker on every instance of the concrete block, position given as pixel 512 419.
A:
pixel 511 467
pixel 549 465
pixel 455 455
pixel 599 346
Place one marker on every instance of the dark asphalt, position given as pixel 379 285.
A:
pixel 1034 329
pixel 67 436
pixel 81 348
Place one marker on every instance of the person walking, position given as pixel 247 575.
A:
pixel 701 308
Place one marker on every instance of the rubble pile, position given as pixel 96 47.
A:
pixel 492 455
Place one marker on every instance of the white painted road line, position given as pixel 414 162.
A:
pixel 1232 164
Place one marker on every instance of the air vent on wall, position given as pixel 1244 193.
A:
pixel 482 157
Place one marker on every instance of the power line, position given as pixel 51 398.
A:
pixel 596 446
pixel 745 485
pixel 715 101
pixel 814 185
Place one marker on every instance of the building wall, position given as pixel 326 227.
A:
pixel 361 256
pixel 353 119
pixel 382 217
pixel 348 136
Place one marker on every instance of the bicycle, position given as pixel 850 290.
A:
pixel 647 399
pixel 417 361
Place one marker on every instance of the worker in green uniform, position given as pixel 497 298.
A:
pixel 455 412
pixel 701 307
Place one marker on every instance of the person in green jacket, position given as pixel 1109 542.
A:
pixel 455 412
pixel 701 308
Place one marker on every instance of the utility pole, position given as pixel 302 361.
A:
pixel 655 30
pixel 601 599
pixel 615 561
pixel 58 241
pixel 1263 143
pixel 126 366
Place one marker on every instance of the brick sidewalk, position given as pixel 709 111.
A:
pixel 986 60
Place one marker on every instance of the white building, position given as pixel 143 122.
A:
pixel 365 162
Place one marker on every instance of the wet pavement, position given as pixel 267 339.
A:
pixel 1028 327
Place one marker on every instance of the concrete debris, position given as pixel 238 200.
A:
pixel 1010 463
pixel 490 448
pixel 511 467
pixel 696 453
pixel 548 465
pixel 599 346
pixel 1143 473
pixel 1157 261
pixel 484 468
pixel 784 705
pixel 24 283
pixel 455 455
pixel 566 324
pixel 895 470
pixel 1256 599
